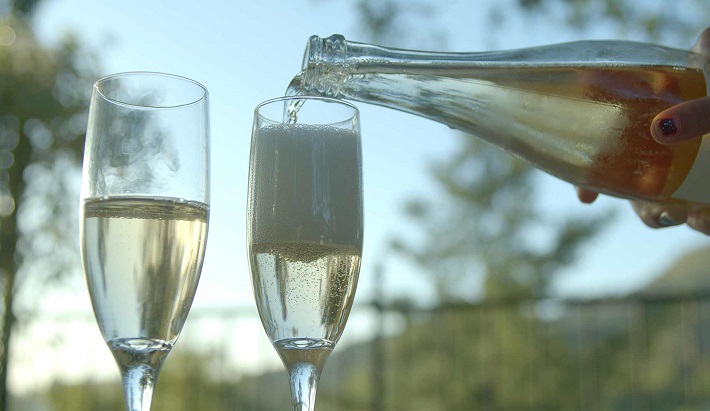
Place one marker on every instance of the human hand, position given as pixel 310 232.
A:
pixel 690 119
pixel 682 122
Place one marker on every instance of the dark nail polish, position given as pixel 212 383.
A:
pixel 664 220
pixel 667 126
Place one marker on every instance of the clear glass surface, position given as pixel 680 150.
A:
pixel 304 229
pixel 144 216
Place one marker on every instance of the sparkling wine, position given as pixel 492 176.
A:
pixel 304 290
pixel 305 234
pixel 580 111
pixel 303 186
pixel 142 258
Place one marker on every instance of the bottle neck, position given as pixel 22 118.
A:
pixel 331 61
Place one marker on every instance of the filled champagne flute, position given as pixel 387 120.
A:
pixel 144 216
pixel 304 229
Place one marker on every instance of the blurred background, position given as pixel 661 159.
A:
pixel 485 283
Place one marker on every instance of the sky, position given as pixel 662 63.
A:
pixel 246 52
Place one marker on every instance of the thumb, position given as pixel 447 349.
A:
pixel 682 122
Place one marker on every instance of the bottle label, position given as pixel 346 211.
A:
pixel 696 186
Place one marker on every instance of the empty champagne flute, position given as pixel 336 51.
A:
pixel 144 216
pixel 304 229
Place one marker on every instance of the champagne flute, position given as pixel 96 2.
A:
pixel 144 209
pixel 305 229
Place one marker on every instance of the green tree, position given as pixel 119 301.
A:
pixel 676 23
pixel 465 359
pixel 43 101
pixel 482 237
pixel 485 238
pixel 191 383
pixel 484 229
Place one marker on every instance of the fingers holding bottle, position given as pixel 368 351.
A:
pixel 659 215
pixel 699 221
pixel 682 122
pixel 586 196
pixel 690 119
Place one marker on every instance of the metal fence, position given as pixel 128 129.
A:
pixel 631 353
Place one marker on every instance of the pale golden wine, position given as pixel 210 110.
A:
pixel 142 258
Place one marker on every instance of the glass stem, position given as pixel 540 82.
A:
pixel 138 384
pixel 139 369
pixel 304 383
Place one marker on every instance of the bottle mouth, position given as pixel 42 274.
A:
pixel 324 50
pixel 323 68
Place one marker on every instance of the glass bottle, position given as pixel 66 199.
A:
pixel 580 111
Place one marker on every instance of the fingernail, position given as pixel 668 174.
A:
pixel 668 126
pixel 665 220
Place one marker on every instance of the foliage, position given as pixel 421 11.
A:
pixel 631 353
pixel 43 100
pixel 487 231
pixel 484 237
pixel 499 356
pixel 468 359
pixel 676 23
pixel 187 384
pixel 486 234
